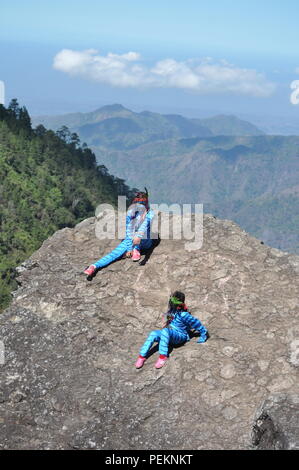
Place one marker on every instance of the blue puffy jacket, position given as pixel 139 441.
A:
pixel 183 322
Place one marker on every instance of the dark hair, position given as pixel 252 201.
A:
pixel 178 295
pixel 141 196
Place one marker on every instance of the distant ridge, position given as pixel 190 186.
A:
pixel 112 107
pixel 176 124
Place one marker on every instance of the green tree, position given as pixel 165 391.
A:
pixel 47 182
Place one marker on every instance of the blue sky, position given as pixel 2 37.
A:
pixel 256 39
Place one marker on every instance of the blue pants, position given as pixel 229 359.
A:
pixel 120 250
pixel 164 337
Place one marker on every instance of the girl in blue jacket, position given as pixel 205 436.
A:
pixel 138 237
pixel 178 323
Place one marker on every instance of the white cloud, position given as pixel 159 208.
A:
pixel 204 76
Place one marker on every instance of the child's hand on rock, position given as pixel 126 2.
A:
pixel 202 339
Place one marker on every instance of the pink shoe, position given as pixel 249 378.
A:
pixel 136 255
pixel 160 362
pixel 91 270
pixel 140 361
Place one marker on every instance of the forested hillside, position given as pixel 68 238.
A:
pixel 251 180
pixel 48 181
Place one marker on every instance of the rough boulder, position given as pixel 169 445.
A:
pixel 69 382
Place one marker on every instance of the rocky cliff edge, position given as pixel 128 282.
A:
pixel 69 380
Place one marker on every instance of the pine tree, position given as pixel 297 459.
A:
pixel 14 108
pixel 24 119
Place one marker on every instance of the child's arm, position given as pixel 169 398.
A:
pixel 142 231
pixel 129 232
pixel 195 324
pixel 167 318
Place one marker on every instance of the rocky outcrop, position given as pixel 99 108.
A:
pixel 277 423
pixel 69 380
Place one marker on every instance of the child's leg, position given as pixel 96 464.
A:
pixel 153 337
pixel 169 336
pixel 115 254
pixel 145 244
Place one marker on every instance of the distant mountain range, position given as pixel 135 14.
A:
pixel 116 127
pixel 227 164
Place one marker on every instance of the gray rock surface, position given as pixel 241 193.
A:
pixel 70 346
pixel 277 423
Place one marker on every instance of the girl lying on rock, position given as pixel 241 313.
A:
pixel 176 330
pixel 138 238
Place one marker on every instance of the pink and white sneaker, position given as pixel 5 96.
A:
pixel 91 270
pixel 140 361
pixel 160 362
pixel 136 255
